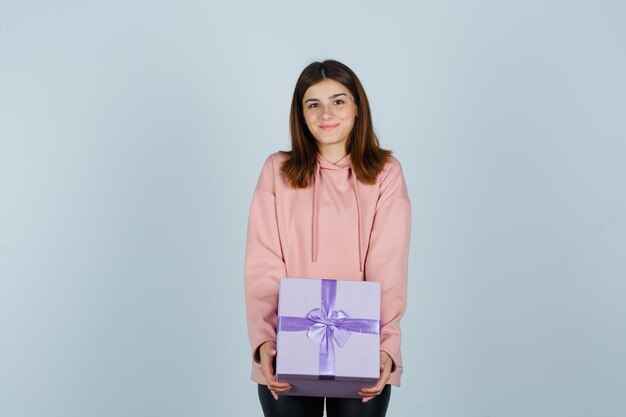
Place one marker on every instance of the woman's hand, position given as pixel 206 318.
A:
pixel 267 354
pixel 385 372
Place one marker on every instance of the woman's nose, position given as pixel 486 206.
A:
pixel 327 112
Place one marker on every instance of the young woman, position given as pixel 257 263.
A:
pixel 335 206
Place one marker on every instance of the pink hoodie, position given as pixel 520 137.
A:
pixel 339 228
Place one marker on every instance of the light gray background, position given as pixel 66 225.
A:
pixel 132 134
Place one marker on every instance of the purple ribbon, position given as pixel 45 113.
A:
pixel 325 324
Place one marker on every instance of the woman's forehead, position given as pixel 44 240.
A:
pixel 326 89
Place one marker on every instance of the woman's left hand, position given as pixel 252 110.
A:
pixel 385 373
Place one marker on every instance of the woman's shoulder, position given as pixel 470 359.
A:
pixel 271 176
pixel 393 162
pixel 392 169
pixel 277 158
pixel 391 181
pixel 274 160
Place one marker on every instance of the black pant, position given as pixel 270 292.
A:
pixel 295 406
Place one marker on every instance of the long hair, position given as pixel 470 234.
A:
pixel 366 155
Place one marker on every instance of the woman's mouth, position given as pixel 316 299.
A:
pixel 329 127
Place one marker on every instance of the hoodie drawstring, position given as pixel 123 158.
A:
pixel 314 225
pixel 358 210
pixel 315 213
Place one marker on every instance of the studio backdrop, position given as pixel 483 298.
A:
pixel 132 134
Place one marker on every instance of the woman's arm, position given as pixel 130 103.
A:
pixel 387 258
pixel 264 265
pixel 263 268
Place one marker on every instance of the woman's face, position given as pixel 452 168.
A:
pixel 329 112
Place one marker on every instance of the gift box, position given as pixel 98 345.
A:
pixel 328 336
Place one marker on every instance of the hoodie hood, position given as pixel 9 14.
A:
pixel 344 164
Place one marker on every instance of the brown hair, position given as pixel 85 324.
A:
pixel 367 157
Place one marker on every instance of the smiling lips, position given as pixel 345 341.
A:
pixel 329 127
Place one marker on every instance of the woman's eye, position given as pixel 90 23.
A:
pixel 312 105
pixel 339 101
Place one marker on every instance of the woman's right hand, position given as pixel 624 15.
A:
pixel 267 354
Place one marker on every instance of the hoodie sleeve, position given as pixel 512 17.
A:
pixel 264 264
pixel 387 257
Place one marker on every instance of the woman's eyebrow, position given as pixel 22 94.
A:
pixel 331 97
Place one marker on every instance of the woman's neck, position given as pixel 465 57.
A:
pixel 333 154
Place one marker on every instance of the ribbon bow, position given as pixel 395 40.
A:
pixel 325 324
